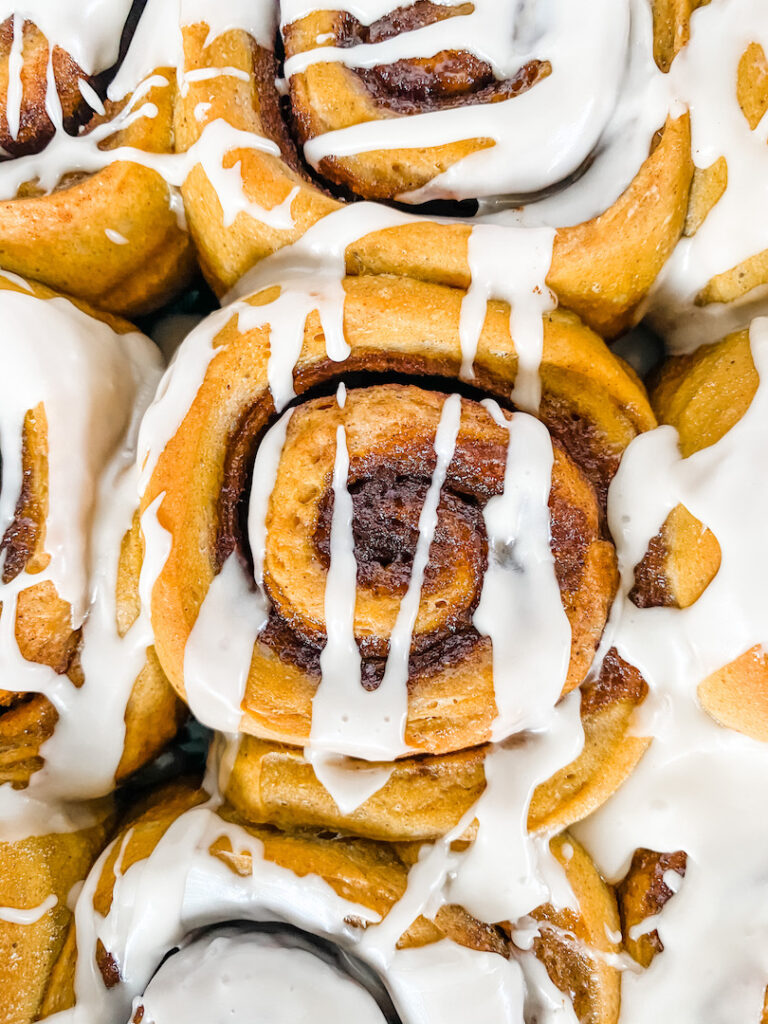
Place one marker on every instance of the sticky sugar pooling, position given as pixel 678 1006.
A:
pixel 704 78
pixel 700 787
pixel 92 385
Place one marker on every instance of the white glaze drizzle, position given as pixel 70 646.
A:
pixel 218 652
pixel 181 887
pixel 31 915
pixel 94 384
pixel 254 978
pixel 700 786
pixel 530 153
pixel 511 264
pixel 520 607
pixel 704 78
pixel 89 31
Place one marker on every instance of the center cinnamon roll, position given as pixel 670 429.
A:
pixel 388 480
pixel 445 558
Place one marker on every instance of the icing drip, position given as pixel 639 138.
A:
pixel 90 32
pixel 510 264
pixel 340 662
pixel 520 607
pixel 14 915
pixel 704 78
pixel 346 718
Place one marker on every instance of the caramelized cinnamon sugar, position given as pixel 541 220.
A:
pixel 652 587
pixel 644 893
pixel 20 539
pixel 448 79
pixel 107 965
pixel 617 681
pixel 386 530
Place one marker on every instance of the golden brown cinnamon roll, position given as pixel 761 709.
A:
pixel 71 215
pixel 84 702
pixel 218 403
pixel 347 892
pixel 442 102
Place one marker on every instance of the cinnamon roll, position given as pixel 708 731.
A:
pixel 39 874
pixel 432 670
pixel 84 701
pixel 73 213
pixel 354 926
pixel 553 117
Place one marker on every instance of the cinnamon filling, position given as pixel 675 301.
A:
pixel 35 126
pixel 447 79
pixel 386 530
pixel 387 500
